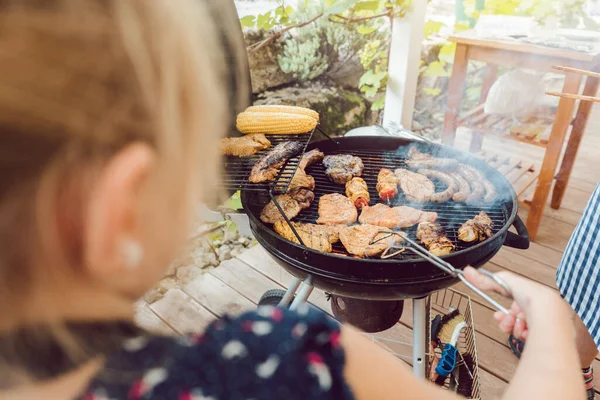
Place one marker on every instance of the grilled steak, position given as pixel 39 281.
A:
pixel 267 168
pixel 417 160
pixel 464 188
pixel 313 236
pixel 452 186
pixel 358 192
pixel 244 146
pixel 302 184
pixel 416 187
pixel 310 157
pixel 476 229
pixel 270 214
pixel 433 236
pixel 357 240
pixel 394 217
pixel 342 167
pixel 336 208
pixel 387 184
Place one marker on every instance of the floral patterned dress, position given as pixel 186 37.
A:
pixel 267 354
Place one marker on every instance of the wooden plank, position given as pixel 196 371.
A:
pixel 552 233
pixel 539 253
pixel 244 279
pixel 471 38
pixel 182 313
pixel 514 176
pixel 456 90
pixel 146 319
pixel 216 296
pixel 525 266
pixel 509 167
pixel 576 70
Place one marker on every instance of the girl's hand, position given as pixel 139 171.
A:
pixel 531 300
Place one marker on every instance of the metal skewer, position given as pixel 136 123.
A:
pixel 449 269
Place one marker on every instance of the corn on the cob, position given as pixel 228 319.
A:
pixel 274 123
pixel 285 109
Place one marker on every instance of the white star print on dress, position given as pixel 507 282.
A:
pixel 261 328
pixel 136 344
pixel 266 369
pixel 232 349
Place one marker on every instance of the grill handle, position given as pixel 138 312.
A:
pixel 519 240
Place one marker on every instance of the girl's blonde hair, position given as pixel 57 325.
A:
pixel 80 80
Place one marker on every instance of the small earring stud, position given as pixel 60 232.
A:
pixel 133 253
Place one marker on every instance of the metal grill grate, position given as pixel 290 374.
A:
pixel 237 169
pixel 451 215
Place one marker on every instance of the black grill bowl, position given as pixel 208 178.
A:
pixel 406 276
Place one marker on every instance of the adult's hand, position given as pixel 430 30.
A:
pixel 532 301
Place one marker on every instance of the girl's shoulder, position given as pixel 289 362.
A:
pixel 266 354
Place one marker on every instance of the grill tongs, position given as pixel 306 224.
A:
pixel 449 269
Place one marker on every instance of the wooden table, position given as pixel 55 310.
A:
pixel 517 54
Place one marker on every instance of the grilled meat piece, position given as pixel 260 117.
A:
pixel 270 214
pixel 310 157
pixel 311 235
pixel 387 184
pixel 303 196
pixel 342 167
pixel 335 209
pixel 416 187
pixel 490 190
pixel 463 190
pixel 433 236
pixel 394 217
pixel 267 168
pixel 417 160
pixel 302 184
pixel 444 195
pixel 358 192
pixel 244 146
pixel 480 186
pixel 357 240
pixel 476 229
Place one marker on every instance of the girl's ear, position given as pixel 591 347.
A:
pixel 109 242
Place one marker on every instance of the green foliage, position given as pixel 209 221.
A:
pixel 234 202
pixel 280 16
pixel 432 27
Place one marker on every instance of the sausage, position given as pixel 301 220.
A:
pixel 446 195
pixel 475 179
pixel 464 189
pixel 490 191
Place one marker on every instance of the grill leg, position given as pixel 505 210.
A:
pixel 419 336
pixel 289 293
pixel 305 291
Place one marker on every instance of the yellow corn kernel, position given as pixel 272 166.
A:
pixel 285 109
pixel 274 123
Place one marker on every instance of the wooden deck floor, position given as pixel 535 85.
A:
pixel 237 284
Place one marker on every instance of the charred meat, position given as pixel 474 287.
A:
pixel 310 157
pixel 447 179
pixel 302 185
pixel 244 146
pixel 267 168
pixel 342 167
pixel 271 214
pixel 417 160
pixel 358 240
pixel 476 229
pixel 335 209
pixel 394 217
pixel 433 236
pixel 358 192
pixel 387 184
pixel 463 189
pixel 313 236
pixel 416 187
